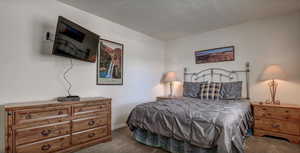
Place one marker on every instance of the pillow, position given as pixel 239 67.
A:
pixel 191 89
pixel 231 90
pixel 210 91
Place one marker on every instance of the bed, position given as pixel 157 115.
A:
pixel 196 125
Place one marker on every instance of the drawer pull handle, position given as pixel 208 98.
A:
pixel 46 147
pixel 60 112
pixel 91 123
pixel 275 126
pixel 264 109
pixel 46 132
pixel 287 111
pixel 91 135
pixel 28 116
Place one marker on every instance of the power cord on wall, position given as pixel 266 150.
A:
pixel 66 79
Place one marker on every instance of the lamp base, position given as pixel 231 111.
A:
pixel 273 89
pixel 277 102
pixel 171 89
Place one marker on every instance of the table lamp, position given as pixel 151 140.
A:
pixel 273 73
pixel 170 77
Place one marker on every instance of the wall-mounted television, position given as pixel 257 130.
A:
pixel 74 41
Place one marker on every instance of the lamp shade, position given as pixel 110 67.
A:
pixel 169 77
pixel 273 72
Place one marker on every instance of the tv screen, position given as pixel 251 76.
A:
pixel 74 41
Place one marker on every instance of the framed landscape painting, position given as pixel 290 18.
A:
pixel 110 63
pixel 215 55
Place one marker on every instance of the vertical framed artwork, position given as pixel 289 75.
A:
pixel 215 55
pixel 110 63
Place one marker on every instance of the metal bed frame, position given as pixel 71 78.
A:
pixel 211 74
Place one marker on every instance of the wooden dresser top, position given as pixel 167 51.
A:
pixel 274 105
pixel 48 103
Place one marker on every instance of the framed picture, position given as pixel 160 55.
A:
pixel 215 55
pixel 110 63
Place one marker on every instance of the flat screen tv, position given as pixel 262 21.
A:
pixel 74 41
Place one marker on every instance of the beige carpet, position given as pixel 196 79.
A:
pixel 124 143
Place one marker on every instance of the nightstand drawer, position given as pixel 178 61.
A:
pixel 280 126
pixel 277 113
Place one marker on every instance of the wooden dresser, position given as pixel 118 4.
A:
pixel 56 127
pixel 277 120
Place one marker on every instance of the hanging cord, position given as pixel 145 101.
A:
pixel 48 37
pixel 66 79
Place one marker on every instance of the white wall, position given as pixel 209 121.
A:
pixel 28 72
pixel 269 41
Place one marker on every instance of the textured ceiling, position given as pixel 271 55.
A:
pixel 172 19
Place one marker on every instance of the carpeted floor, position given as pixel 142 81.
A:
pixel 124 143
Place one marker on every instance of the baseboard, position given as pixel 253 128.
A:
pixel 115 127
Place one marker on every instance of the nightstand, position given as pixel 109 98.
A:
pixel 277 120
pixel 161 98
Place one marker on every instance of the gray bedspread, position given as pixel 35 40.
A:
pixel 203 123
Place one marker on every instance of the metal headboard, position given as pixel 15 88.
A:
pixel 220 75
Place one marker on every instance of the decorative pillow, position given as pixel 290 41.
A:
pixel 191 89
pixel 231 90
pixel 210 91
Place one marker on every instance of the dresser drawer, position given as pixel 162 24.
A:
pixel 88 123
pixel 91 107
pixel 280 126
pixel 277 113
pixel 47 146
pixel 40 116
pixel 29 135
pixel 89 135
pixel 90 114
pixel 84 111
